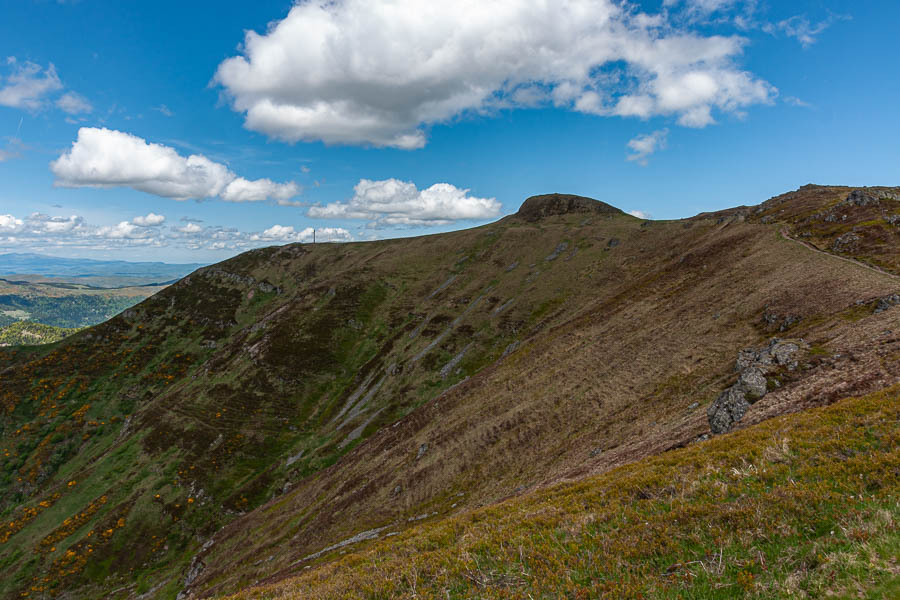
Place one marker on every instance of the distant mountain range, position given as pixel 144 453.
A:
pixel 54 266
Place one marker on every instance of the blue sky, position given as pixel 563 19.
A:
pixel 164 131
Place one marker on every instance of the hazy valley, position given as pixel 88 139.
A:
pixel 39 292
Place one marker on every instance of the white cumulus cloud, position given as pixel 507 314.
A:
pixel 798 102
pixel 244 190
pixel 149 220
pixel 73 104
pixel 189 229
pixel 10 224
pixel 644 145
pixel 39 232
pixel 110 158
pixel 39 223
pixel 378 72
pixel 282 233
pixel 640 214
pixel 393 202
pixel 125 230
pixel 28 85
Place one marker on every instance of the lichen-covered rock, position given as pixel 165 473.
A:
pixel 778 352
pixel 848 242
pixel 781 322
pixel 752 365
pixel 785 353
pixel 728 409
pixel 753 383
pixel 887 302
pixel 559 250
pixel 860 198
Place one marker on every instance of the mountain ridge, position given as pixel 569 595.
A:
pixel 546 205
pixel 293 397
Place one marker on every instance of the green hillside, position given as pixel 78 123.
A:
pixel 65 312
pixel 229 430
pixel 26 333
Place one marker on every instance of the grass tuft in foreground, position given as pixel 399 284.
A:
pixel 802 506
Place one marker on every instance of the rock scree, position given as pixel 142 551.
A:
pixel 547 205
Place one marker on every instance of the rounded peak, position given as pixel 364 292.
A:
pixel 546 205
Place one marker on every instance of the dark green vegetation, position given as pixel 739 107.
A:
pixel 26 333
pixel 78 310
pixel 231 427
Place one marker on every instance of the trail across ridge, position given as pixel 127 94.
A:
pixel 787 236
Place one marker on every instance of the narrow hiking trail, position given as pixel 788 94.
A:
pixel 787 236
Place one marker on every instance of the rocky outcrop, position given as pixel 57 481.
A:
pixel 538 207
pixel 887 302
pixel 847 243
pixel 448 368
pixel 218 274
pixel 194 571
pixel 559 250
pixel 859 198
pixel 781 322
pixel 752 366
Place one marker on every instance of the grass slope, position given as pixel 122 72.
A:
pixel 865 226
pixel 270 406
pixel 27 333
pixel 646 338
pixel 802 506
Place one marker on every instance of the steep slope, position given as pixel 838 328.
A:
pixel 803 506
pixel 272 406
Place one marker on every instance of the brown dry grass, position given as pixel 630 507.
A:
pixel 621 347
pixel 645 330
pixel 802 506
